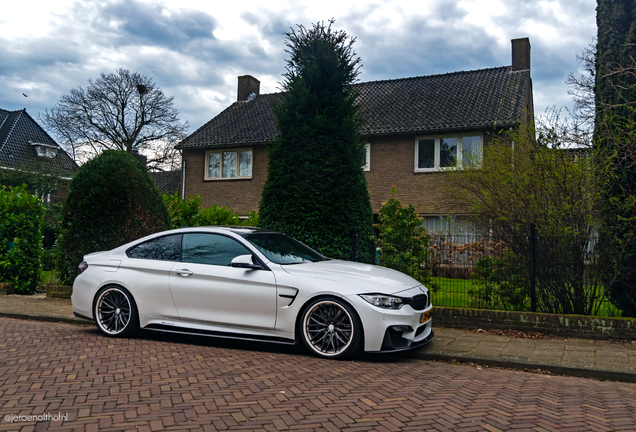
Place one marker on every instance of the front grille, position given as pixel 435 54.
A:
pixel 419 302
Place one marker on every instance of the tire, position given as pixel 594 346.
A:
pixel 330 328
pixel 115 312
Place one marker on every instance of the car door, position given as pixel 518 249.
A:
pixel 206 289
pixel 147 274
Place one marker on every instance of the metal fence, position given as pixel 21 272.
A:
pixel 562 274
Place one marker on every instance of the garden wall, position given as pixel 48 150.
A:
pixel 563 325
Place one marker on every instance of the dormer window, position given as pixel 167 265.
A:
pixel 45 150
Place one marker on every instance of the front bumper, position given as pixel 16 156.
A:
pixel 388 330
pixel 410 346
pixel 396 340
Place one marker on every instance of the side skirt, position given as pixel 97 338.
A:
pixel 218 334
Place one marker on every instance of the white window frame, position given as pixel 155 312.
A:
pixel 367 165
pixel 206 164
pixel 437 139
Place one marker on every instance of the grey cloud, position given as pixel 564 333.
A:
pixel 271 25
pixel 142 22
pixel 188 62
pixel 423 46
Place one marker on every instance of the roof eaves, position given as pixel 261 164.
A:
pixel 228 145
pixel 439 130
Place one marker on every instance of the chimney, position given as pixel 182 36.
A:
pixel 247 85
pixel 521 54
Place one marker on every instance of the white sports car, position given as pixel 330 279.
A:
pixel 252 284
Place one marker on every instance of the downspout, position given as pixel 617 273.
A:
pixel 513 150
pixel 183 176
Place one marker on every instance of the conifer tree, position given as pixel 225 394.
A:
pixel 615 146
pixel 316 190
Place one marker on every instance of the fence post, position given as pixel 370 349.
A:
pixel 533 262
pixel 353 244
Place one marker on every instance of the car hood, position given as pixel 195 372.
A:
pixel 371 278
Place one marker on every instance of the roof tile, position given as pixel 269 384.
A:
pixel 472 99
pixel 17 131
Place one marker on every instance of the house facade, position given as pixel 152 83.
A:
pixel 26 147
pixel 413 129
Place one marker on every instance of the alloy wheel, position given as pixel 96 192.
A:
pixel 328 328
pixel 113 311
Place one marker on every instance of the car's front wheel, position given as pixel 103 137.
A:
pixel 116 312
pixel 331 329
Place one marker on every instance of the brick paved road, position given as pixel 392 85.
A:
pixel 164 382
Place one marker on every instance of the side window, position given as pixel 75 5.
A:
pixel 366 158
pixel 211 249
pixel 166 248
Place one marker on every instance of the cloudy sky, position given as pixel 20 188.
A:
pixel 195 49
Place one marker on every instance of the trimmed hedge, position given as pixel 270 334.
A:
pixel 112 200
pixel 21 220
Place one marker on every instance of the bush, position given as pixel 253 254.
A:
pixel 188 213
pixel 21 219
pixel 112 200
pixel 183 212
pixel 403 241
pixel 451 258
pixel 500 283
pixel 48 259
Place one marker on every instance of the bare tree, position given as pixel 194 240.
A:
pixel 582 88
pixel 122 111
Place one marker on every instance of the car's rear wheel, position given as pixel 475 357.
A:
pixel 116 312
pixel 331 329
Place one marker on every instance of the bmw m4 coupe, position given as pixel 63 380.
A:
pixel 251 284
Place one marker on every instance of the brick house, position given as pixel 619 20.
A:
pixel 25 146
pixel 413 127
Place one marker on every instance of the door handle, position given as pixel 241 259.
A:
pixel 184 272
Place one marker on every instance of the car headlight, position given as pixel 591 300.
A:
pixel 383 301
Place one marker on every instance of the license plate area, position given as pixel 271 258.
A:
pixel 425 316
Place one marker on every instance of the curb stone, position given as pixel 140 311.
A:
pixel 521 365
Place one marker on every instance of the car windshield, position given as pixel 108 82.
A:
pixel 282 249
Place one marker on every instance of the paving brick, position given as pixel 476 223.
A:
pixel 155 382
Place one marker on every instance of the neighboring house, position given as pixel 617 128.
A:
pixel 168 182
pixel 25 146
pixel 413 127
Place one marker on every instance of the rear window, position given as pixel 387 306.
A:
pixel 167 248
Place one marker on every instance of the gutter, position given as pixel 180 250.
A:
pixel 33 172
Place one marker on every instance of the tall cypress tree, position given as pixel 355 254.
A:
pixel 615 85
pixel 615 146
pixel 316 190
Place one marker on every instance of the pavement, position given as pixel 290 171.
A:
pixel 594 358
pixel 70 378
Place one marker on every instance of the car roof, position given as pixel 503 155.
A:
pixel 238 229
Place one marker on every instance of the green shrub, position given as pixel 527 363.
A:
pixel 215 215
pixel 48 259
pixel 252 220
pixel 112 200
pixel 21 219
pixel 183 213
pixel 49 278
pixel 403 241
pixel 500 283
pixel 188 213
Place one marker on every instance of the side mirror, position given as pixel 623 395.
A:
pixel 245 261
